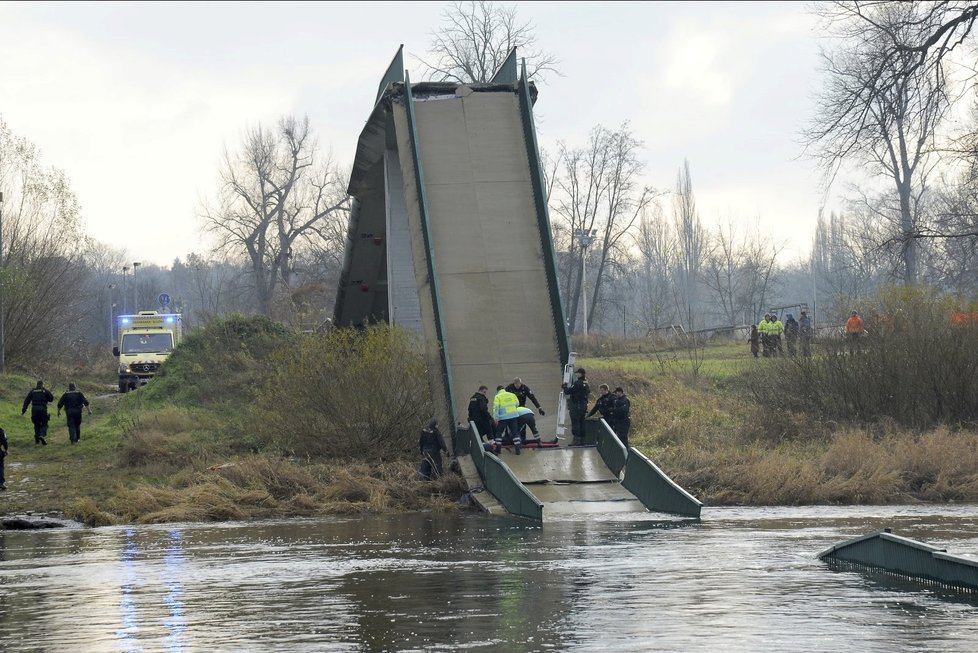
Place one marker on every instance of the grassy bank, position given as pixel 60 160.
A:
pixel 709 432
pixel 250 421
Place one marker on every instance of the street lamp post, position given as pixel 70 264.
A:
pixel 110 287
pixel 584 237
pixel 125 290
pixel 135 288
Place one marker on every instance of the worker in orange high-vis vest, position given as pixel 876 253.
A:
pixel 855 332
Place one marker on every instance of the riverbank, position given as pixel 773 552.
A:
pixel 201 443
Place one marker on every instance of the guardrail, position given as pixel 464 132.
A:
pixel 501 483
pixel 655 489
pixel 900 556
pixel 612 451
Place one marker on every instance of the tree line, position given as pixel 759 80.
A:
pixel 633 256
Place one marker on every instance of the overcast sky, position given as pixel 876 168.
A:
pixel 136 102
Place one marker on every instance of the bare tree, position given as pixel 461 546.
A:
pixel 277 193
pixel 474 40
pixel 655 244
pixel 691 246
pixel 886 96
pixel 41 265
pixel 738 270
pixel 598 197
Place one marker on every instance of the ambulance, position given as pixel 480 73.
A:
pixel 145 342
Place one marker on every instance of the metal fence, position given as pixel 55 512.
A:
pixel 655 489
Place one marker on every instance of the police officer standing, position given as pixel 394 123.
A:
pixel 431 444
pixel 38 399
pixel 577 396
pixel 603 404
pixel 621 420
pixel 72 401
pixel 479 412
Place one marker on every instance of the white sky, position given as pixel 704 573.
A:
pixel 136 101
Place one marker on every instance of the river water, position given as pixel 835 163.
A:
pixel 744 579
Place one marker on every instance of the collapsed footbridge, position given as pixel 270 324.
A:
pixel 449 236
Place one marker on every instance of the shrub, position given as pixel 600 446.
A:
pixel 914 368
pixel 346 394
pixel 223 360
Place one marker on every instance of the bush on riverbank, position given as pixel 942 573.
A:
pixel 350 394
pixel 914 367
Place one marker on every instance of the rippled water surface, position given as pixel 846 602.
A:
pixel 742 580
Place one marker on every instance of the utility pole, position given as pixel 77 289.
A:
pixel 125 290
pixel 3 340
pixel 135 288
pixel 585 237
pixel 111 316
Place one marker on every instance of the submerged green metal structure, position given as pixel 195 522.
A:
pixel 886 553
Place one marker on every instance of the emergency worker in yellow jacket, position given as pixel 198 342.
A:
pixel 505 410
pixel 777 330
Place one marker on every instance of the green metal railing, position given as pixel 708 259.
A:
pixel 655 489
pixel 612 451
pixel 508 71
pixel 900 556
pixel 394 73
pixel 500 482
pixel 543 218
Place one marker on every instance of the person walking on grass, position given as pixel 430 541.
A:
pixel 73 401
pixel 755 340
pixel 3 454
pixel 38 399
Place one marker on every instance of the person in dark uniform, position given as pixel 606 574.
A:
pixel 577 395
pixel 3 454
pixel 603 404
pixel 621 409
pixel 523 393
pixel 38 399
pixel 431 444
pixel 479 412
pixel 72 401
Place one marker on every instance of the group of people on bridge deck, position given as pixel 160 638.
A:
pixel 509 418
pixel 506 422
pixel 615 408
pixel 37 400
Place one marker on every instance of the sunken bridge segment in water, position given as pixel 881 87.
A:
pixel 892 555
pixel 449 237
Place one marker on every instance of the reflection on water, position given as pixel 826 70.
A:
pixel 742 580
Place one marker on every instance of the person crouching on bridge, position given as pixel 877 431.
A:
pixel 431 444
pixel 577 396
pixel 505 408
pixel 527 418
pixel 38 399
pixel 523 392
pixel 72 401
